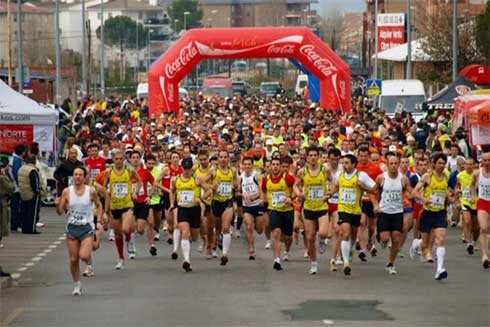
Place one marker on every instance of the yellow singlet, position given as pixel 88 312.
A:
pixel 225 185
pixel 187 192
pixel 202 174
pixel 464 180
pixel 315 189
pixel 277 194
pixel 120 190
pixel 436 189
pixel 350 194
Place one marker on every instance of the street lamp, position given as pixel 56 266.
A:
pixel 185 19
pixel 175 25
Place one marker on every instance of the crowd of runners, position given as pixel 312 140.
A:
pixel 289 170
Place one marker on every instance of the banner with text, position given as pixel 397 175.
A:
pixel 13 135
pixel 391 31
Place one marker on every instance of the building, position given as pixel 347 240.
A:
pixel 350 33
pixel 247 13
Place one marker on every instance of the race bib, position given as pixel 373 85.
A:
pixel 315 193
pixel 348 196
pixel 278 199
pixel 438 199
pixel 466 194
pixel 141 191
pixel 186 198
pixel 250 188
pixel 78 217
pixel 70 180
pixel 392 196
pixel 224 188
pixel 154 190
pixel 120 190
pixel 334 198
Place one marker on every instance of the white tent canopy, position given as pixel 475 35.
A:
pixel 399 53
pixel 16 109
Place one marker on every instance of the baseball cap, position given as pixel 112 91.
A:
pixel 187 163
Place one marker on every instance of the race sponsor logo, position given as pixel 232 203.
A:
pixel 170 92
pixel 324 65
pixel 287 49
pixel 187 53
pixel 462 89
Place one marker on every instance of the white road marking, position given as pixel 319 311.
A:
pixel 53 246
pixel 327 322
pixel 57 242
pixel 42 254
pixel 29 264
pixel 22 269
pixel 48 250
pixel 35 259
pixel 62 238
pixel 12 316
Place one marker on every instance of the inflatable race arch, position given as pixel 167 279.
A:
pixel 255 42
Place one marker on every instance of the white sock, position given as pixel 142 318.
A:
pixel 440 252
pixel 345 249
pixel 277 259
pixel 77 284
pixel 186 249
pixel 314 263
pixel 226 243
pixel 176 235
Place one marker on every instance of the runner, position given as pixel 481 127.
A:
pixel 336 170
pixel 392 185
pixel 185 191
pixel 77 202
pixel 407 206
pixel 421 168
pixel 468 203
pixel 350 185
pixel 435 194
pixel 156 206
pixel 481 179
pixel 142 203
pixel 202 171
pixel 120 201
pixel 313 178
pixel 223 179
pixel 277 188
pixel 253 209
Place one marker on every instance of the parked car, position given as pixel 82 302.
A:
pixel 269 89
pixel 241 88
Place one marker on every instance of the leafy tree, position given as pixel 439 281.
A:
pixel 436 42
pixel 179 7
pixel 482 33
pixel 121 31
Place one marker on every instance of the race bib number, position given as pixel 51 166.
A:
pixel 94 173
pixel 250 189
pixel 120 190
pixel 186 198
pixel 348 196
pixel 78 217
pixel 438 199
pixel 141 191
pixel 70 180
pixel 315 193
pixel 484 191
pixel 224 189
pixel 278 199
pixel 154 190
pixel 334 198
pixel 466 194
pixel 393 196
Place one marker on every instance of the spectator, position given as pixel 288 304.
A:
pixel 7 188
pixel 30 193
pixel 64 172
pixel 16 162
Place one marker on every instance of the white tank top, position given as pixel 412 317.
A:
pixel 391 194
pixel 250 187
pixel 484 187
pixel 80 208
pixel 335 179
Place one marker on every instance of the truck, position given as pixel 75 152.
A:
pixel 402 95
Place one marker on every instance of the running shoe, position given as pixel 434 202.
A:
pixel 358 246
pixel 132 255
pixel 390 269
pixel 339 261
pixel 322 246
pixel 268 244
pixel 313 269
pixel 333 266
pixel 277 266
pixel 400 254
pixel 306 255
pixel 373 251
pixel 174 256
pixel 224 260
pixel 486 264
pixel 215 254
pixel 120 265
pixel 111 235
pixel 89 272
pixel 187 266
pixel 412 252
pixel 470 249
pixel 347 269
pixel 440 275
pixel 251 255
pixel 153 250
pixel 170 241
pixel 285 256
pixel 77 290
pixel 362 256
pixel 156 237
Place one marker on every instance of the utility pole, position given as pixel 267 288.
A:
pixel 136 68
pixel 89 55
pixel 58 54
pixel 409 43
pixel 84 58
pixel 20 60
pixel 455 39
pixel 375 73
pixel 9 22
pixel 102 75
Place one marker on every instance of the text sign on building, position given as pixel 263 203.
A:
pixel 391 31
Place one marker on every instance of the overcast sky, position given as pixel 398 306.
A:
pixel 326 7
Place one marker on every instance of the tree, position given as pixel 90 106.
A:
pixel 436 42
pixel 122 31
pixel 482 33
pixel 179 7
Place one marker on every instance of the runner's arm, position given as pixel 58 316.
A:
pixel 61 206
pixel 474 182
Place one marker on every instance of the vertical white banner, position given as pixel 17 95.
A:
pixel 44 135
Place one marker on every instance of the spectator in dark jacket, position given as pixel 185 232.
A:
pixel 16 162
pixel 64 171
pixel 420 135
pixel 30 194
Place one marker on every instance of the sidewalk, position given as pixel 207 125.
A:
pixel 20 250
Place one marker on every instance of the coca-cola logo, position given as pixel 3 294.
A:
pixel 462 89
pixel 287 49
pixel 170 92
pixel 322 64
pixel 186 54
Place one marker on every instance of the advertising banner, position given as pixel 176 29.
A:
pixel 391 31
pixel 13 135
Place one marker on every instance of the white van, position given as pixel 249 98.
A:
pixel 142 91
pixel 402 95
pixel 301 82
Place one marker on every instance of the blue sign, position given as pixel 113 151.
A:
pixel 373 87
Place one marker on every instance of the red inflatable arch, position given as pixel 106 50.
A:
pixel 267 42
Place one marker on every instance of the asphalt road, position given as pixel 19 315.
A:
pixel 154 291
